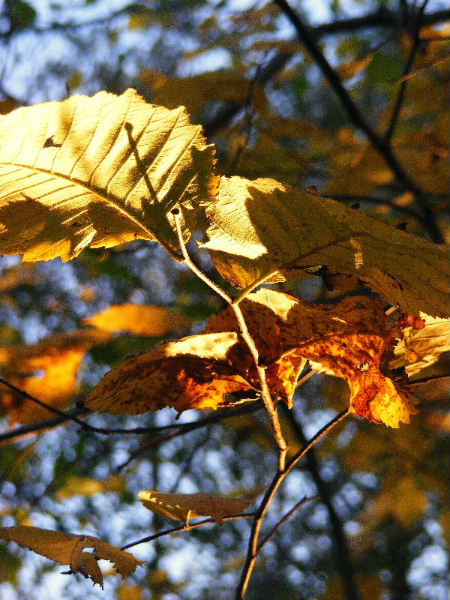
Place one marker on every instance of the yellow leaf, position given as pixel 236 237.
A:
pixel 194 372
pixel 182 507
pixel 48 370
pixel 98 171
pixel 139 319
pixel 88 486
pixel 262 227
pixel 68 549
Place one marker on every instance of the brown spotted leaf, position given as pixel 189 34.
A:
pixel 199 371
pixel 350 340
pixel 183 507
pixel 261 227
pixel 70 549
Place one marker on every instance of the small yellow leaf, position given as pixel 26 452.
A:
pixel 68 549
pixel 185 506
pixel 139 319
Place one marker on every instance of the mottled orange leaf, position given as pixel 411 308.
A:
pixel 199 371
pixel 349 340
pixel 139 319
pixel 70 549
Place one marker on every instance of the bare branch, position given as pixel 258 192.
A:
pixel 286 518
pixel 355 116
pixel 187 527
pixel 280 476
pixel 401 93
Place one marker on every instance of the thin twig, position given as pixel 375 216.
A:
pixel 186 527
pixel 265 392
pixel 280 476
pixel 286 518
pixel 185 428
pixel 401 93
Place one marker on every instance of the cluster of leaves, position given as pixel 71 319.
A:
pixel 101 171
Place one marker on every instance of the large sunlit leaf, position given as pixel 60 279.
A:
pixel 70 549
pixel 98 171
pixel 261 227
pixel 185 506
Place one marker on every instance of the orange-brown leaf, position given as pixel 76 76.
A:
pixel 194 372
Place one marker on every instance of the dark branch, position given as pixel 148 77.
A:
pixel 355 116
pixel 401 93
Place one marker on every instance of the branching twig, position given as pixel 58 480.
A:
pixel 186 527
pixel 286 518
pixel 185 428
pixel 265 392
pixel 400 98
pixel 280 476
pixel 356 117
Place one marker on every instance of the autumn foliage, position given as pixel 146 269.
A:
pixel 101 171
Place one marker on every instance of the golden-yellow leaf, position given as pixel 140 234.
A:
pixel 139 319
pixel 98 171
pixel 183 507
pixel 261 227
pixel 69 549
pixel 48 370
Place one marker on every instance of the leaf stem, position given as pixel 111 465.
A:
pixel 265 392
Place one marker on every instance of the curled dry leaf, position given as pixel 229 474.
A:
pixel 70 549
pixel 183 507
pixel 261 227
pixel 139 319
pixel 195 372
pixel 98 171
pixel 420 348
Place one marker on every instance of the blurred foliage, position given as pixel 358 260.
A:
pixel 241 72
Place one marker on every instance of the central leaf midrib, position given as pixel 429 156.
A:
pixel 107 199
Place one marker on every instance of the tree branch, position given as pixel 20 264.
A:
pixel 416 43
pixel 342 550
pixel 355 116
pixel 280 476
pixel 186 527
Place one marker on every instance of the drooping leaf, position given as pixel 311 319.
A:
pixel 261 227
pixel 69 549
pixel 182 507
pixel 350 340
pixel 139 319
pixel 98 171
pixel 194 372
